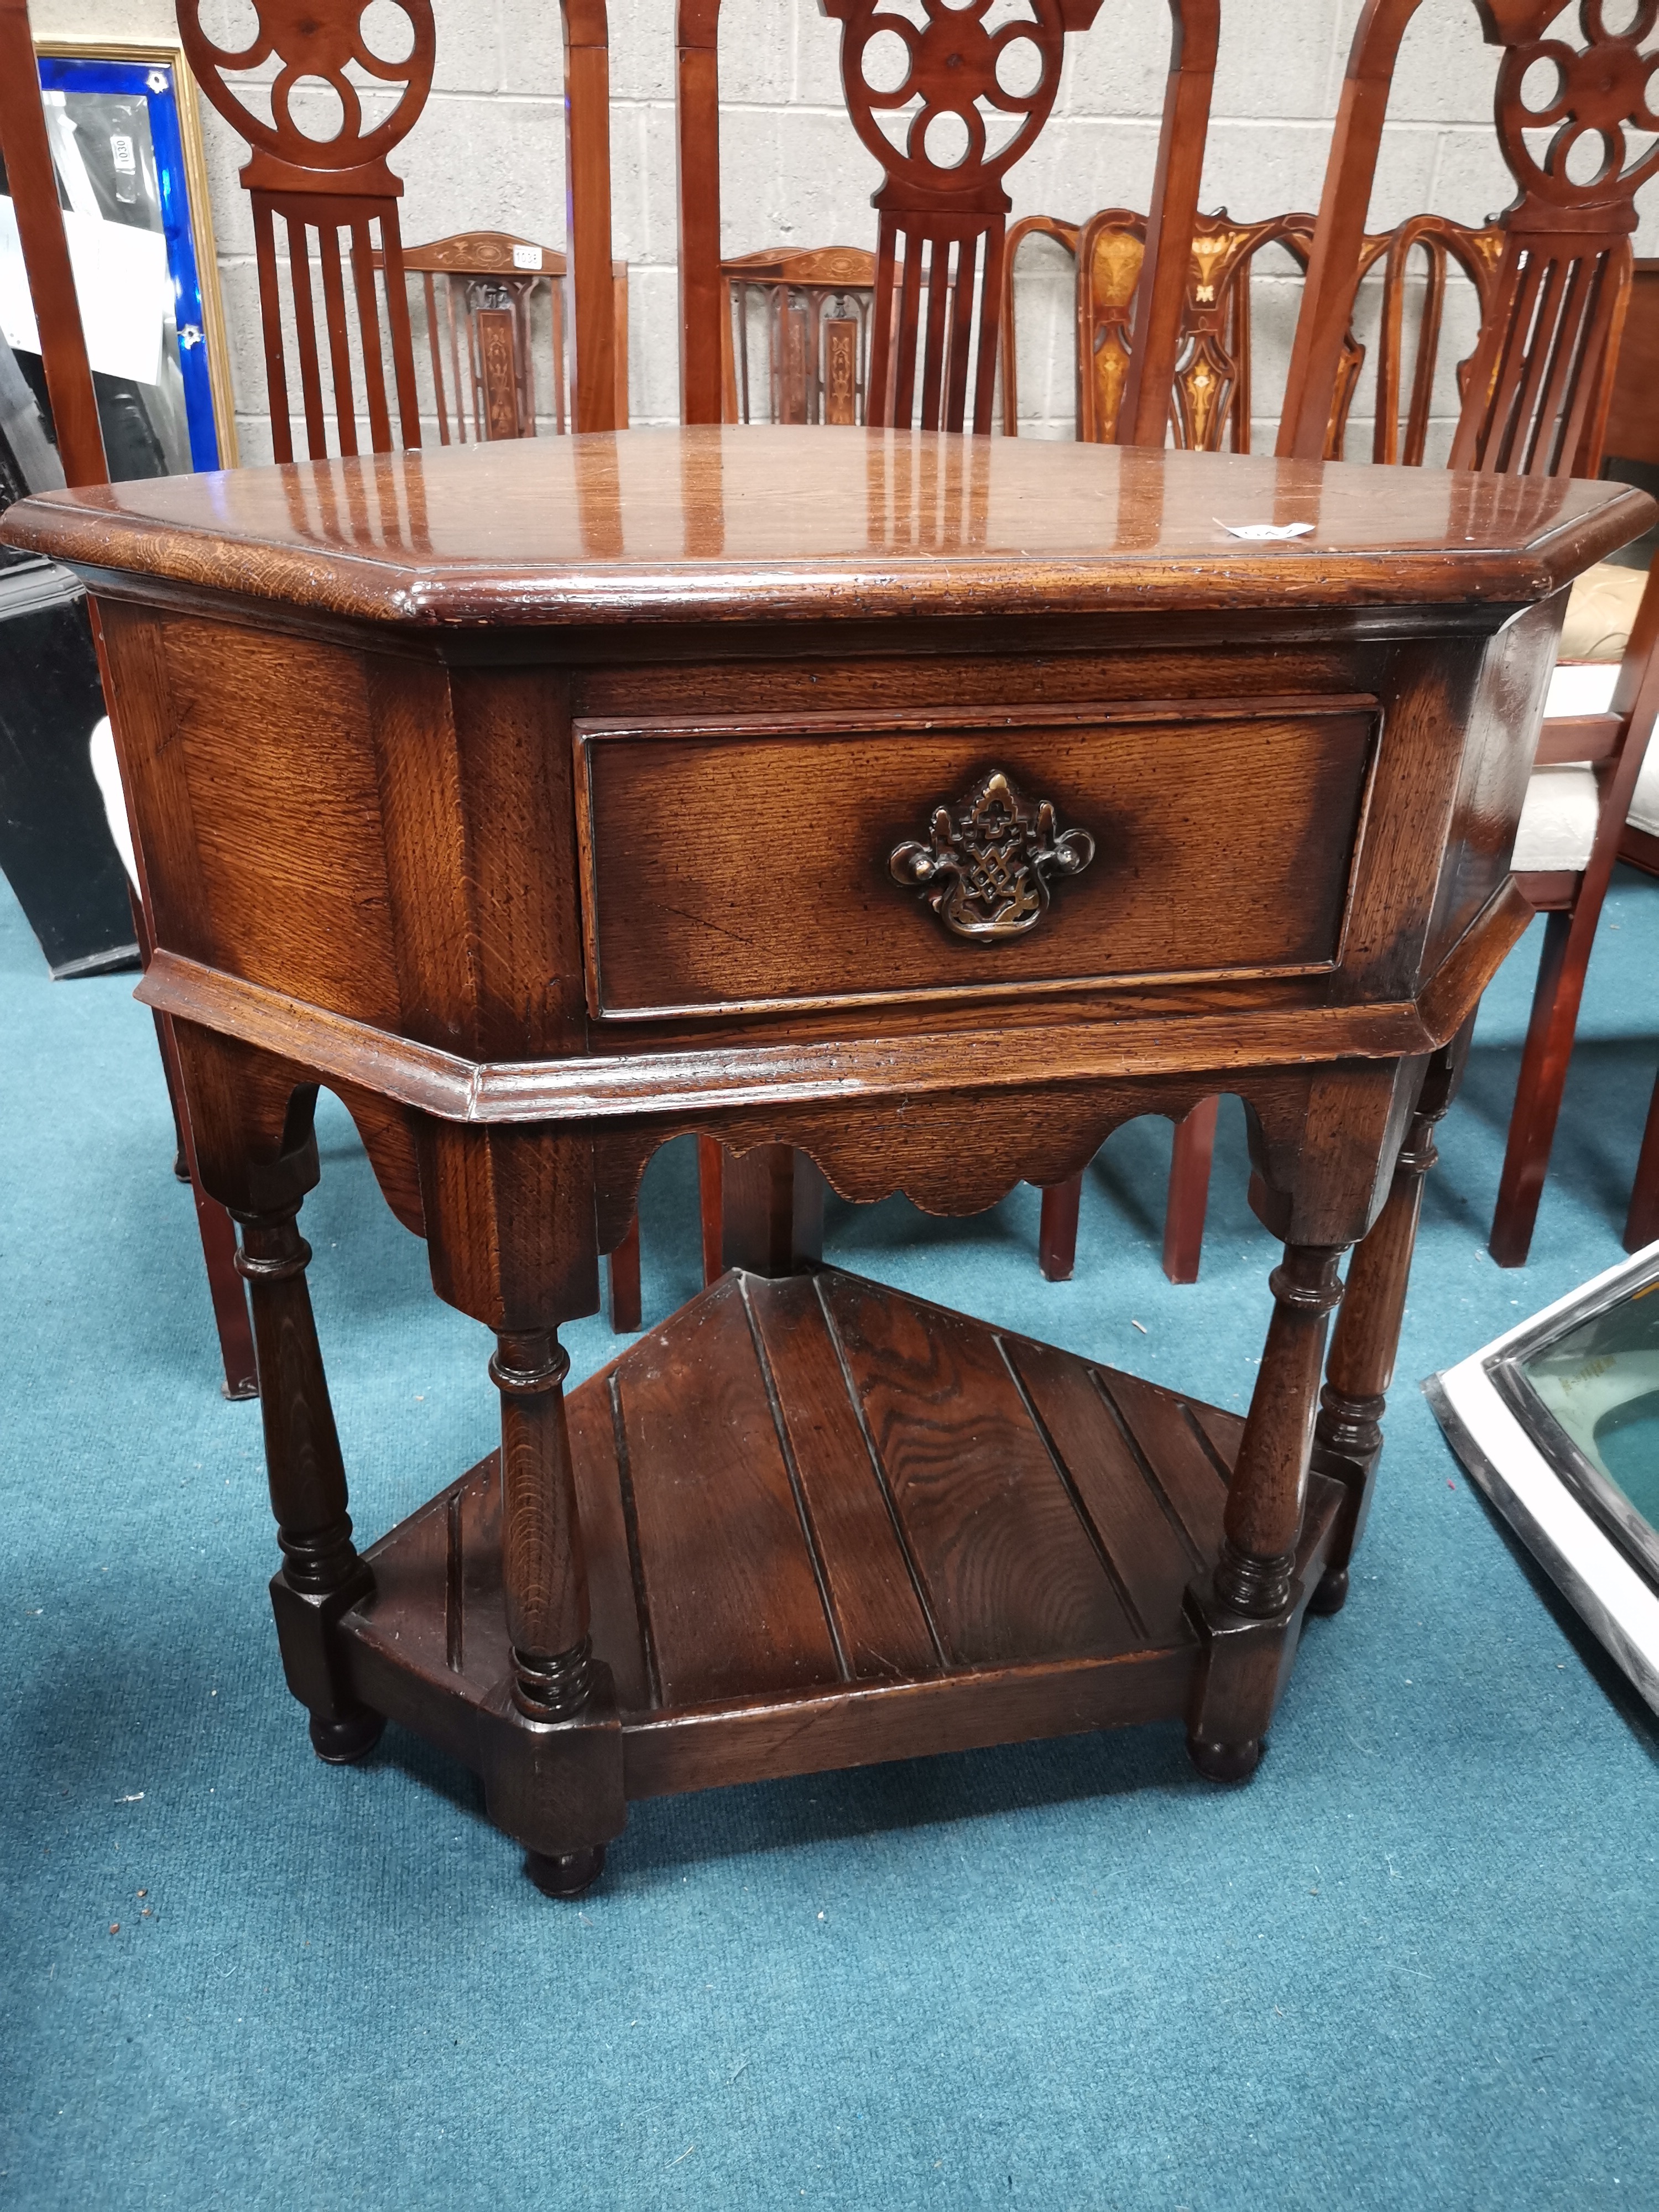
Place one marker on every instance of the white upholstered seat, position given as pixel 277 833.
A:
pixel 1557 822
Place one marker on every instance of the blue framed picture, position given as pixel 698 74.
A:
pixel 126 146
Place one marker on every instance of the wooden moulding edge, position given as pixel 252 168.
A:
pixel 867 1723
pixel 669 1083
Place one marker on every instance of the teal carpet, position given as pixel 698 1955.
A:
pixel 1411 1964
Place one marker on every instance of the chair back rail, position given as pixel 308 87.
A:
pixel 478 293
pixel 815 306
pixel 931 355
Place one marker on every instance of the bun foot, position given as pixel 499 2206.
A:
pixel 340 1743
pixel 1226 1762
pixel 1332 1593
pixel 567 1874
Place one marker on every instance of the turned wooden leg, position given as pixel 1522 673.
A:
pixel 1348 1434
pixel 554 1679
pixel 1641 1222
pixel 1246 1611
pixel 711 1206
pixel 321 1575
pixel 1057 1229
pixel 543 1576
pixel 1189 1191
pixel 625 1311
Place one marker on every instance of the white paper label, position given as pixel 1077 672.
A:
pixel 526 257
pixel 1264 529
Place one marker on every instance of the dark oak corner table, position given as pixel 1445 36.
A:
pixel 929 806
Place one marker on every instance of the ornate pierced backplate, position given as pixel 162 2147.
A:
pixel 321 40
pixel 947 99
pixel 984 869
pixel 1567 115
pixel 956 125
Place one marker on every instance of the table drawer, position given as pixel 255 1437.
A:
pixel 739 864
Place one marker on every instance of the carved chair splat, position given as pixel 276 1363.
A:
pixel 937 287
pixel 318 189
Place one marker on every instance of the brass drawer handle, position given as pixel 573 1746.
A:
pixel 985 870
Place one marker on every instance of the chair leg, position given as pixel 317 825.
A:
pixel 772 1209
pixel 1567 942
pixel 1057 1230
pixel 711 1205
pixel 225 1287
pixel 1641 1222
pixel 1189 1191
pixel 625 1313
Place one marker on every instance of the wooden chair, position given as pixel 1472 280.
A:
pixel 26 149
pixel 1210 407
pixel 1537 402
pixel 1551 276
pixel 814 309
pixel 932 347
pixel 322 190
pixel 931 353
pixel 479 291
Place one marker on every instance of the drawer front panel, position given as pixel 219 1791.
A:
pixel 737 865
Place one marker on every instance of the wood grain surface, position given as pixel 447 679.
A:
pixel 715 524
pixel 795 1492
pixel 676 819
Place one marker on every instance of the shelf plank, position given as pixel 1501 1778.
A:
pixel 884 1629
pixel 1177 1455
pixel 1008 1565
pixel 1150 1560
pixel 620 1627
pixel 730 1588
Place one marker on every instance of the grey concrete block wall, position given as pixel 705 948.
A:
pixel 489 154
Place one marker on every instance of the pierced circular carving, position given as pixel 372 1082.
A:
pixel 317 40
pixel 1589 98
pixel 955 70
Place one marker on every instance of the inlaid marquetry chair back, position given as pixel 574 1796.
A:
pixel 808 361
pixel 481 292
pixel 969 102
pixel 1210 384
pixel 1211 398
pixel 322 190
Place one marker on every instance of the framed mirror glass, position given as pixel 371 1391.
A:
pixel 1557 1422
pixel 126 148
